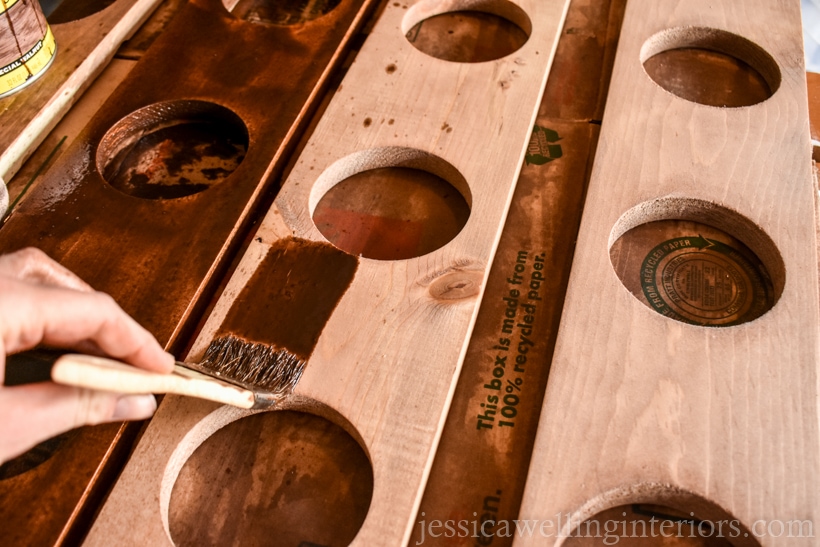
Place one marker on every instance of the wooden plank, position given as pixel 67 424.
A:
pixel 84 48
pixel 113 240
pixel 386 362
pixel 719 422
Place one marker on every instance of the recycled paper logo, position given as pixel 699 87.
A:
pixel 542 149
pixel 703 281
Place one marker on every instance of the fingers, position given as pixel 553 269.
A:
pixel 35 266
pixel 34 314
pixel 33 413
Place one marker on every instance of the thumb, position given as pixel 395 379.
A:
pixel 32 413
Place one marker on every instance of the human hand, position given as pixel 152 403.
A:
pixel 43 302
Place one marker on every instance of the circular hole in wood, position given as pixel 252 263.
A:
pixel 711 67
pixel 65 11
pixel 172 150
pixel 390 203
pixel 484 31
pixel 284 478
pixel 650 525
pixel 279 12
pixel 708 267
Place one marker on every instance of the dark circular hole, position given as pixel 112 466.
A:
pixel 711 67
pixel 708 77
pixel 650 525
pixel 391 213
pixel 282 12
pixel 693 273
pixel 65 11
pixel 282 478
pixel 172 150
pixel 471 36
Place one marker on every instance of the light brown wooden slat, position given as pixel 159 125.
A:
pixel 641 408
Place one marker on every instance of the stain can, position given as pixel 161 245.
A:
pixel 26 44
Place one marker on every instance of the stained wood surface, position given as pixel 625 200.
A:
pixel 64 133
pixel 639 408
pixel 112 239
pixel 386 362
pixel 84 48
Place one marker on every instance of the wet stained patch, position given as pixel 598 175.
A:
pixel 291 296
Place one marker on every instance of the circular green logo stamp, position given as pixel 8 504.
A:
pixel 704 282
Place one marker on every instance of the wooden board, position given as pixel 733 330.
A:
pixel 84 48
pixel 162 259
pixel 717 422
pixel 386 362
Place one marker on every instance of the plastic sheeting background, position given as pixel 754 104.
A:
pixel 811 33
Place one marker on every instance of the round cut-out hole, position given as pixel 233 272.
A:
pixel 697 273
pixel 172 150
pixel 650 525
pixel 489 30
pixel 279 12
pixel 710 67
pixel 391 213
pixel 286 478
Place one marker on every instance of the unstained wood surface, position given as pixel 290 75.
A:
pixel 643 409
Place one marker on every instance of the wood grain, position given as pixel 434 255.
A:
pixel 643 409
pixel 388 358
pixel 112 239
pixel 84 48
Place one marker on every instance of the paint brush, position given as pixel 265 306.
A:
pixel 233 372
pixel 263 344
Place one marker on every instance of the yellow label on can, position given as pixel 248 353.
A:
pixel 34 61
pixel 6 4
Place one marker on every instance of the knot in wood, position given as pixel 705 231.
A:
pixel 456 285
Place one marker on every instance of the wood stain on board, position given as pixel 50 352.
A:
pixel 111 239
pixel 27 44
pixel 299 479
pixel 291 296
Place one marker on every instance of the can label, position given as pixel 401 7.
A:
pixel 26 44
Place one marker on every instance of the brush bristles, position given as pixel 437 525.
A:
pixel 258 366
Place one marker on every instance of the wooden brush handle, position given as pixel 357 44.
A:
pixel 102 374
